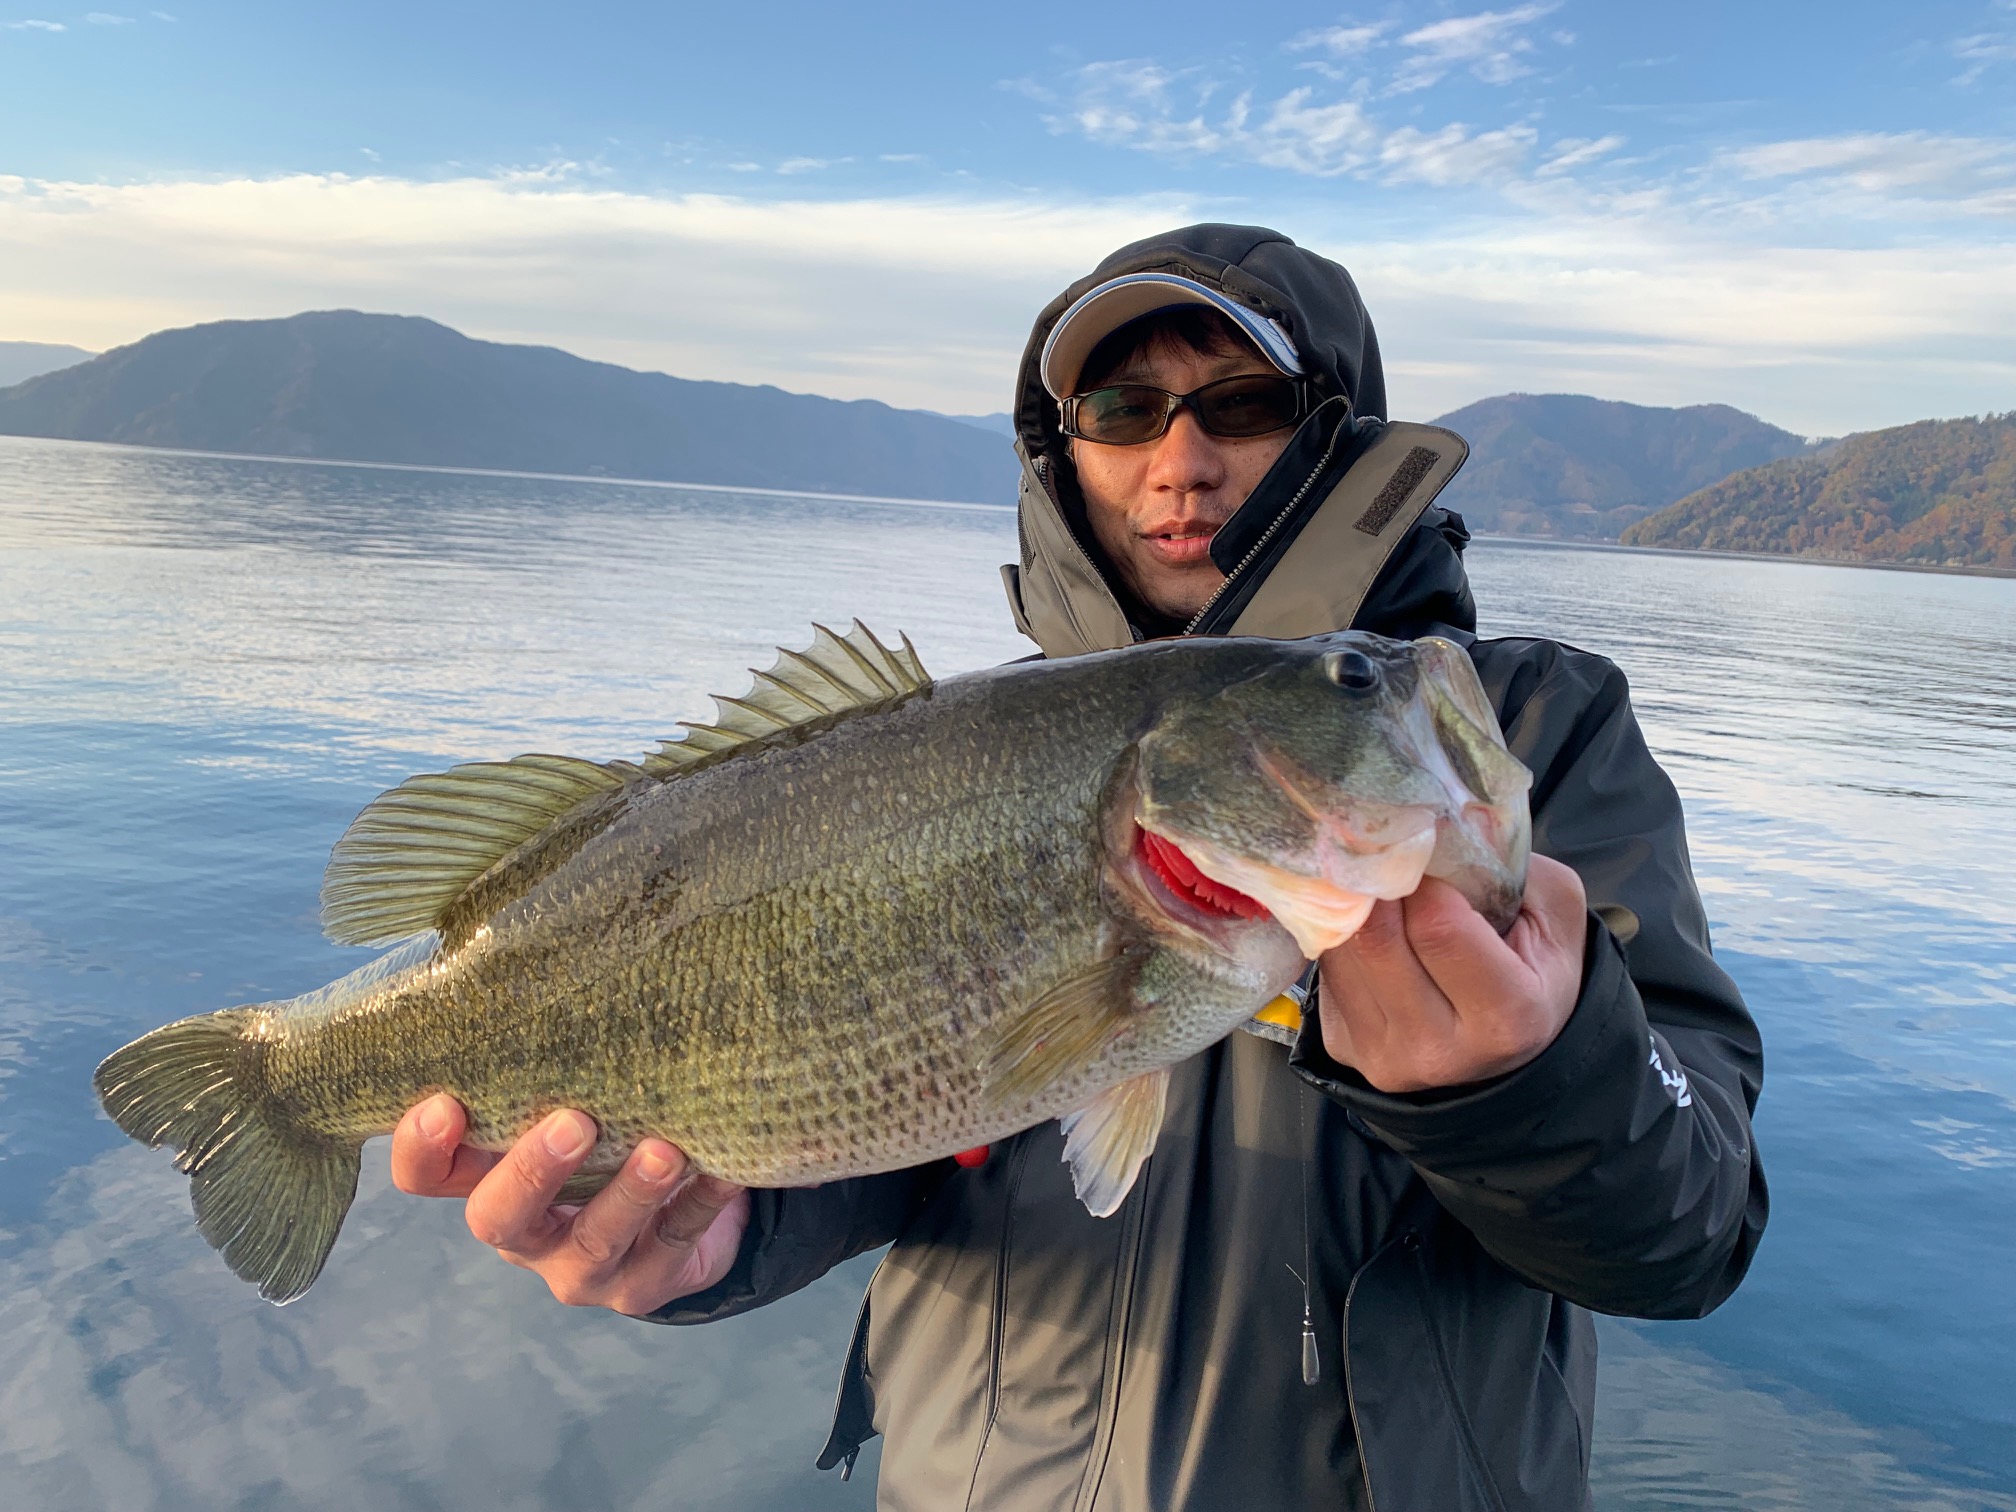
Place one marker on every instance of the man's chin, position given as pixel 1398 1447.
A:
pixel 1180 596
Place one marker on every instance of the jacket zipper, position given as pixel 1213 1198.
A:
pixel 998 1318
pixel 1350 1395
pixel 1411 1242
pixel 1274 527
pixel 1105 1424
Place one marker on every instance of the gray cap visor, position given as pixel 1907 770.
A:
pixel 1100 312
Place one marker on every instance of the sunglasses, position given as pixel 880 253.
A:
pixel 1127 414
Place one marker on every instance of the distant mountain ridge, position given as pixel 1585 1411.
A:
pixel 22 360
pixel 1940 493
pixel 1577 468
pixel 344 385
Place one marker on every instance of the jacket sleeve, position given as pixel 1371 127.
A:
pixel 1615 1169
pixel 797 1234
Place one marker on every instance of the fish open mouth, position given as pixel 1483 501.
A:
pixel 1181 876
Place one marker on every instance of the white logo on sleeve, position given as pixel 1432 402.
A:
pixel 1675 1081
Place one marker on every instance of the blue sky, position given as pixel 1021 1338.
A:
pixel 1806 210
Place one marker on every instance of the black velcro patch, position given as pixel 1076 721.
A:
pixel 1406 478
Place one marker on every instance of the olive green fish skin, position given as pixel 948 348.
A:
pixel 919 920
pixel 786 963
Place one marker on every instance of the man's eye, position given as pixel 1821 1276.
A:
pixel 1120 409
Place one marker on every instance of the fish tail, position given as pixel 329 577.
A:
pixel 269 1194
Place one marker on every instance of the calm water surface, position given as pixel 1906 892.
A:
pixel 208 665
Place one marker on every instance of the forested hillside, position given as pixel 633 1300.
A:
pixel 1577 468
pixel 1940 493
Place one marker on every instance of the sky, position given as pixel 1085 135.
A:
pixel 1805 210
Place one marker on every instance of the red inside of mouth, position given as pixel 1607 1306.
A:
pixel 1183 879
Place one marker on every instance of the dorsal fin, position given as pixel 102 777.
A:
pixel 415 850
pixel 802 693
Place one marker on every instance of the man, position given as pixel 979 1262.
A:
pixel 1357 1270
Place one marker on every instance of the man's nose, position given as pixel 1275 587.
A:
pixel 1187 457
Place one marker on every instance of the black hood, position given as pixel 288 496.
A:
pixel 1422 585
pixel 1311 296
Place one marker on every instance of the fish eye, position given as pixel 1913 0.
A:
pixel 1353 671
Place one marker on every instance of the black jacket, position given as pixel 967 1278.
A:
pixel 1018 1353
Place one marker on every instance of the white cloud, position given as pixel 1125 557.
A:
pixel 1453 156
pixel 1186 113
pixel 1577 152
pixel 32 25
pixel 1488 44
pixel 1340 41
pixel 809 164
pixel 926 301
pixel 1886 171
pixel 920 301
pixel 106 18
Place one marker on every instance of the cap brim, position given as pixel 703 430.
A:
pixel 1102 311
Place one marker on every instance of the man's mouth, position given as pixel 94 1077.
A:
pixel 1181 545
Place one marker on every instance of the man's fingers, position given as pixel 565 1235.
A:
pixel 428 1156
pixel 1385 988
pixel 1556 902
pixel 608 1226
pixel 508 1210
pixel 693 1211
pixel 1457 948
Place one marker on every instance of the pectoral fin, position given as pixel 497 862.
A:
pixel 1062 1031
pixel 1106 1141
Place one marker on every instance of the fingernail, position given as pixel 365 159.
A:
pixel 567 1134
pixel 653 1165
pixel 434 1116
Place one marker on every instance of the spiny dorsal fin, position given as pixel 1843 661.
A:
pixel 801 693
pixel 405 860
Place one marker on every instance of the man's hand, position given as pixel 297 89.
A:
pixel 1427 995
pixel 654 1234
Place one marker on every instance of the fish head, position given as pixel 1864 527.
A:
pixel 1319 776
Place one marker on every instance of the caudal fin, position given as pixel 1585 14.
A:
pixel 269 1196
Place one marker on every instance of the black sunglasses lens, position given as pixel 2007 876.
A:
pixel 1123 415
pixel 1248 406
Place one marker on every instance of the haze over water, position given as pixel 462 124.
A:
pixel 208 665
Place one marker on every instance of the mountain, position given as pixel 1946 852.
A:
pixel 1940 493
pixel 21 360
pixel 1001 423
pixel 347 386
pixel 1569 466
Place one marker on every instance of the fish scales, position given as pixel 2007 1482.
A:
pixel 867 921
pixel 846 944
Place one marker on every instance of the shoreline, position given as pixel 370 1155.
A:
pixel 1556 543
pixel 1545 542
pixel 505 472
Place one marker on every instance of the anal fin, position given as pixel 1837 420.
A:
pixel 1107 1141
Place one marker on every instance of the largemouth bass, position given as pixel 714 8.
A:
pixel 864 921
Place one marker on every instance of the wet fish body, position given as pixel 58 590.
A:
pixel 866 921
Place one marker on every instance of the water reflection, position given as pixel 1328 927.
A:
pixel 207 666
pixel 419 1373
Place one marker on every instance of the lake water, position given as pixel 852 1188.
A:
pixel 208 665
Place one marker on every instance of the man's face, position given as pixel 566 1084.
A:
pixel 1154 507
